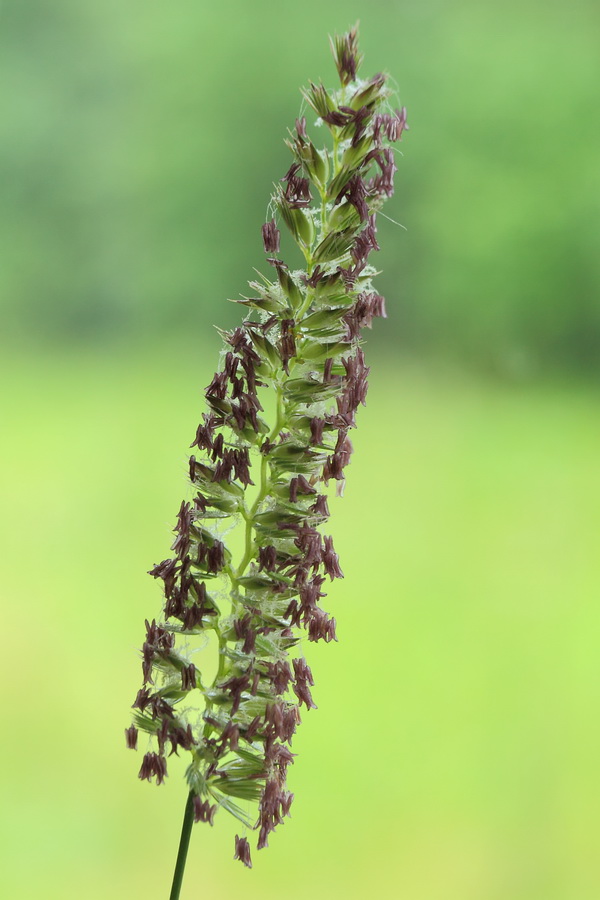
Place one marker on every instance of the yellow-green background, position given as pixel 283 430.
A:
pixel 454 754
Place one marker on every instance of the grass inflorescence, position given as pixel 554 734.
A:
pixel 299 353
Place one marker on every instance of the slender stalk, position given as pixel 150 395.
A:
pixel 184 842
pixel 263 489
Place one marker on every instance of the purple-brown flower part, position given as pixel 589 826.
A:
pixel 287 344
pixel 365 242
pixel 236 687
pixel 270 234
pixel 215 557
pixel 231 735
pixel 321 627
pixel 299 485
pixel 320 506
pixel 252 728
pixel 203 811
pixel 167 571
pixel 245 632
pixel 181 737
pixel 303 678
pixel 297 191
pixel 131 736
pixel 316 430
pixel 392 126
pixel 331 561
pixel 267 558
pixel 242 851
pixel 188 677
pixel 204 433
pixel 153 765
pixel 383 183
pixel 356 193
pixel 280 675
pixel 337 117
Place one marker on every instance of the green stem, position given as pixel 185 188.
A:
pixel 186 830
pixel 323 194
pixel 263 489
pixel 248 514
pixel 336 162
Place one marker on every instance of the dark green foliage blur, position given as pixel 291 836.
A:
pixel 141 141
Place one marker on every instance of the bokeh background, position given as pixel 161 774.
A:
pixel 454 755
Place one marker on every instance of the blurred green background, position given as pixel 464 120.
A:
pixel 454 755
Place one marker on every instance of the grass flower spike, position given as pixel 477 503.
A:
pixel 298 355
